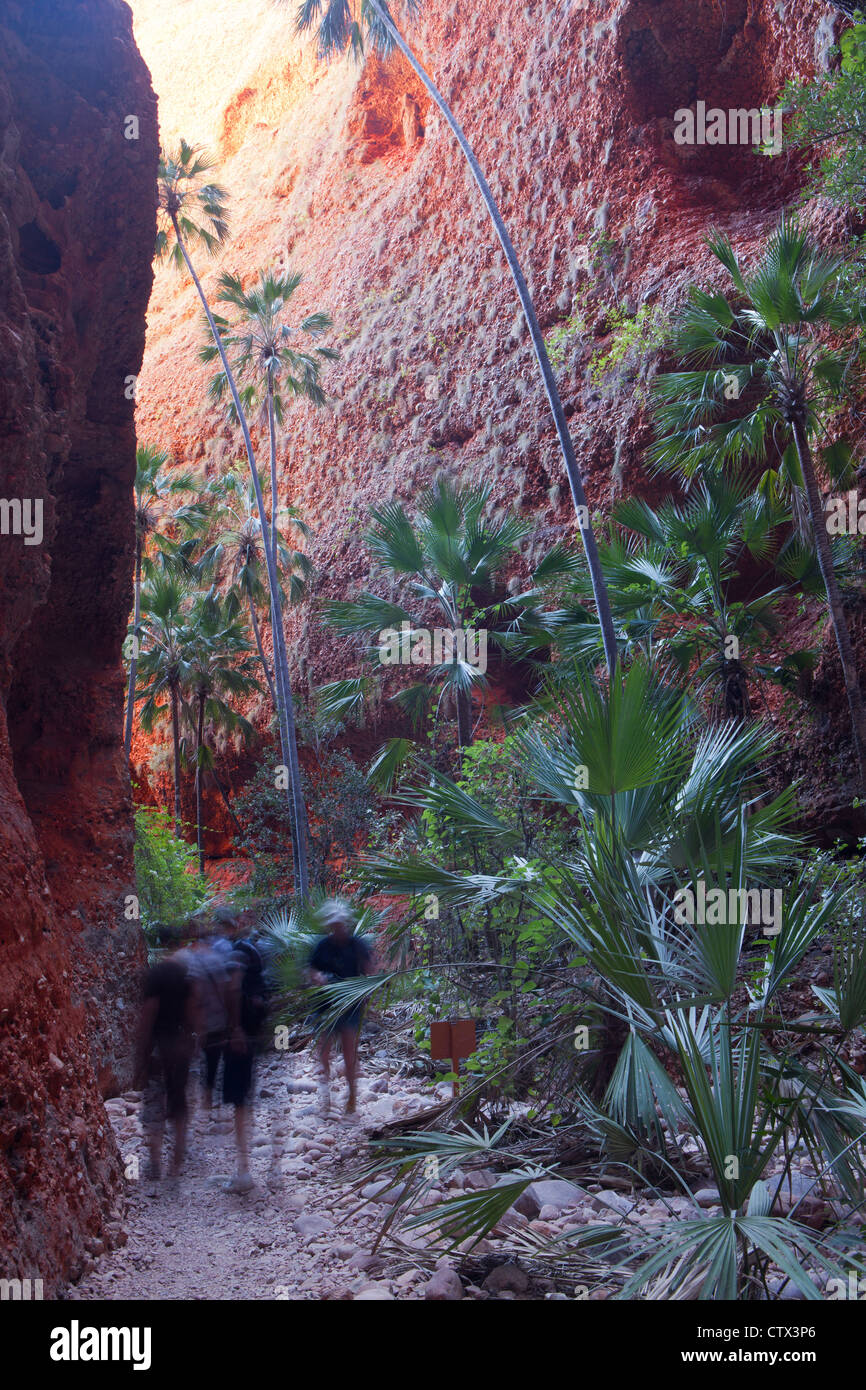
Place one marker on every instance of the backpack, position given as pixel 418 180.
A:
pixel 254 987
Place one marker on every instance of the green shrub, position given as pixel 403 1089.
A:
pixel 341 809
pixel 168 885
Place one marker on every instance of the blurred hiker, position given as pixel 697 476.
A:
pixel 210 980
pixel 339 955
pixel 246 1006
pixel 164 1050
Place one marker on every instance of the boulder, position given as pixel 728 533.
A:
pixel 552 1192
pixel 364 1260
pixel 506 1279
pixel 479 1179
pixel 607 1202
pixel 445 1285
pixel 707 1197
pixel 545 1192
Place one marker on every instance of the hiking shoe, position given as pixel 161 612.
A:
pixel 323 1100
pixel 241 1182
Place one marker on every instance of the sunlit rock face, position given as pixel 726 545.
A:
pixel 77 212
pixel 349 175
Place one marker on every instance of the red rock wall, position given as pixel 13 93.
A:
pixel 570 108
pixel 76 234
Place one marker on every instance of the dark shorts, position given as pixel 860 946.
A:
pixel 165 1091
pixel 351 1020
pixel 237 1076
pixel 212 1050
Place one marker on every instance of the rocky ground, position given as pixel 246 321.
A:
pixel 305 1231
pixel 309 1227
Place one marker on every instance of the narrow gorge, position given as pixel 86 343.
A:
pixel 347 173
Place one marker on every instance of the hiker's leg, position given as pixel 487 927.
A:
pixel 349 1039
pixel 176 1077
pixel 211 1053
pixel 237 1091
pixel 156 1134
pixel 153 1116
pixel 180 1128
pixel 323 1090
pixel 242 1139
pixel 323 1048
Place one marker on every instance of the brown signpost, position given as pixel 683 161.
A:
pixel 456 1041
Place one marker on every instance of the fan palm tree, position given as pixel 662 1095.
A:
pixel 673 574
pixel 216 665
pixel 663 805
pixel 345 24
pixel 235 554
pixel 265 361
pixel 153 484
pixel 161 665
pixel 192 210
pixel 761 381
pixel 268 367
pixel 453 555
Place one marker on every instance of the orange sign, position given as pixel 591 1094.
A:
pixel 455 1040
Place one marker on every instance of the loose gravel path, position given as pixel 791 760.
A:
pixel 295 1235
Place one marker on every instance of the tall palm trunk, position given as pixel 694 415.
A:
pixel 276 704
pixel 199 740
pixel 133 664
pixel 463 701
pixel 272 445
pixel 834 597
pixel 272 449
pixel 261 651
pixel 297 810
pixel 575 482
pixel 175 737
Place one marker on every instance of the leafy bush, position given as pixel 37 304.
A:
pixel 495 959
pixel 830 120
pixel 712 1076
pixel 340 807
pixel 168 884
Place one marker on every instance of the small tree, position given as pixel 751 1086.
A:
pixel 153 485
pixel 216 665
pixel 268 358
pixel 674 576
pixel 168 888
pixel 161 665
pixel 830 121
pixel 453 555
pixel 234 554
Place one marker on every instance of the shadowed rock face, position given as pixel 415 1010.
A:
pixel 77 204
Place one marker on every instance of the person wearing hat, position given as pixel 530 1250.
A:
pixel 339 955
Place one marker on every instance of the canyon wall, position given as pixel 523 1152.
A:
pixel 77 220
pixel 347 174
